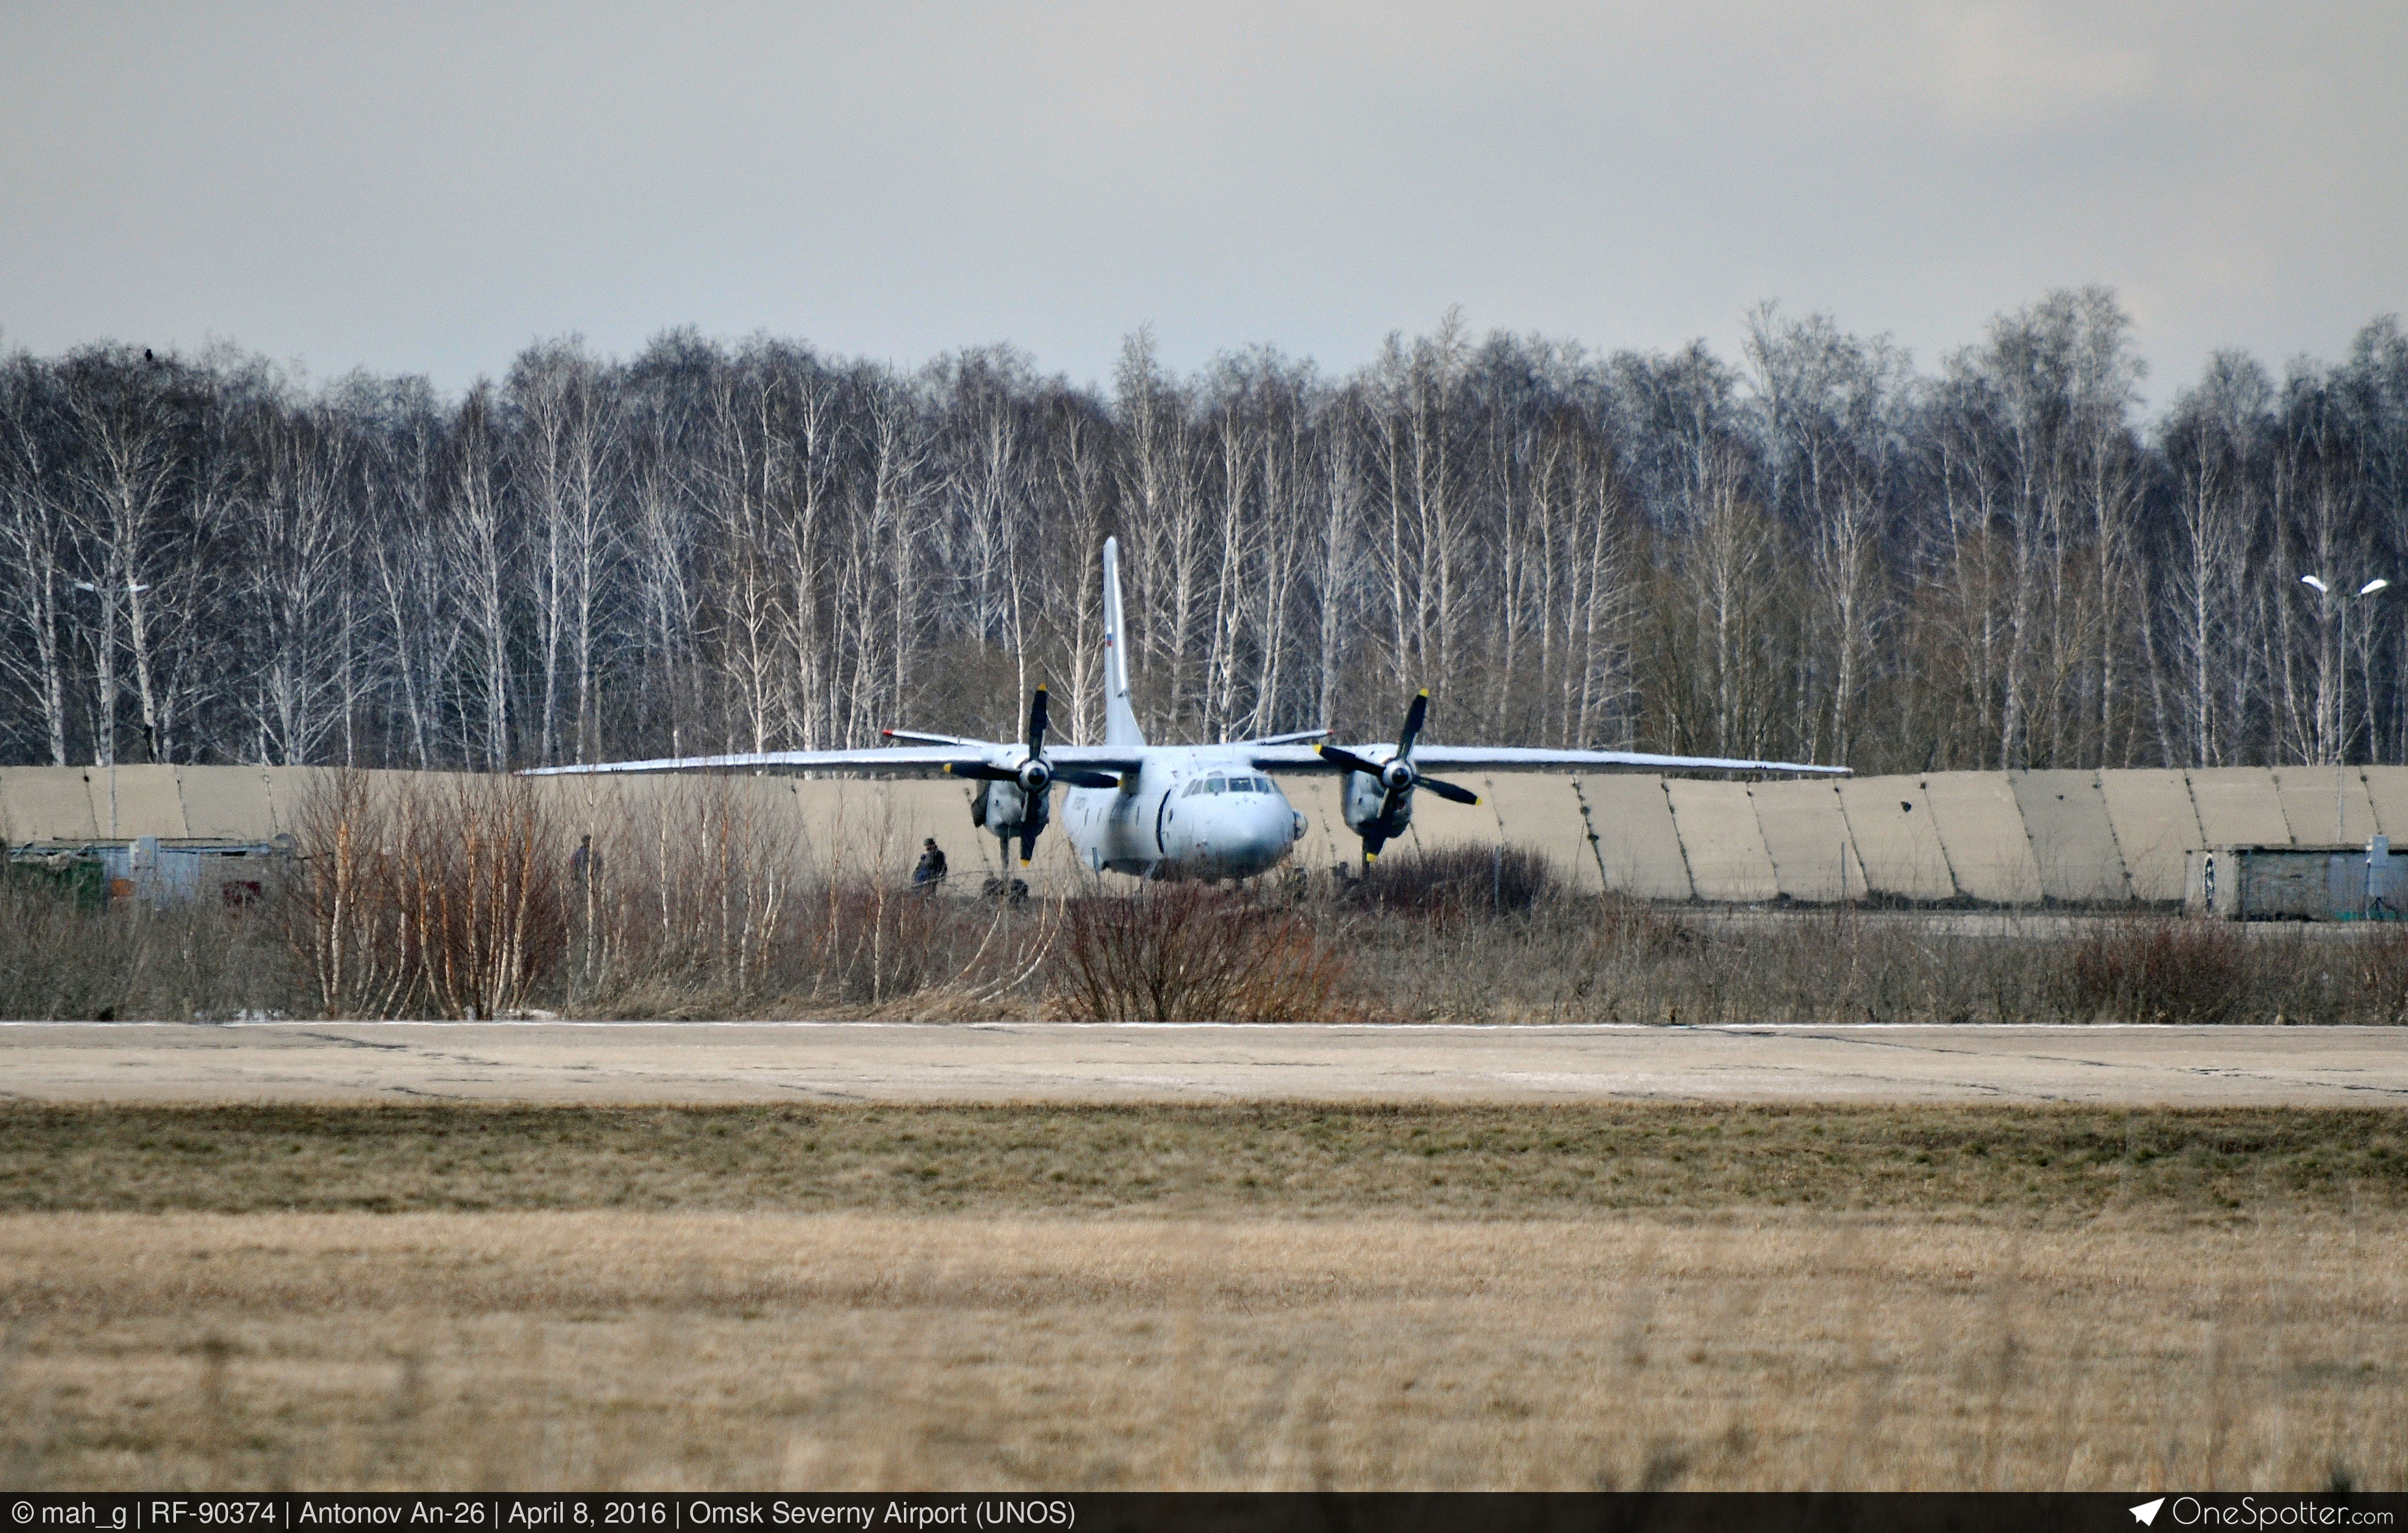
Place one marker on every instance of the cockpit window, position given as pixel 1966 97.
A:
pixel 1228 784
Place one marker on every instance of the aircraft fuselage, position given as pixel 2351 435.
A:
pixel 1187 812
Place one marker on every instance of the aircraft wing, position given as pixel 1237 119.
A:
pixel 899 761
pixel 921 737
pixel 875 761
pixel 1093 758
pixel 1440 759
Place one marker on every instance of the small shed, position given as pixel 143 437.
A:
pixel 158 872
pixel 2297 882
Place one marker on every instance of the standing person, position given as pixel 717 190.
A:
pixel 931 871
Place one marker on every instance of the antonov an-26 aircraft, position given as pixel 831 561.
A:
pixel 1187 812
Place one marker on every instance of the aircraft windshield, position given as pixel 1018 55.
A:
pixel 1228 784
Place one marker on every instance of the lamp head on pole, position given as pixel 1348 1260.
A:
pixel 2310 579
pixel 2370 587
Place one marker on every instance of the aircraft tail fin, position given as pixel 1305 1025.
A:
pixel 1120 718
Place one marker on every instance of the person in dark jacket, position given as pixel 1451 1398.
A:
pixel 931 871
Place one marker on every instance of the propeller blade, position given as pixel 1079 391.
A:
pixel 1414 717
pixel 1449 792
pixel 1373 841
pixel 1027 845
pixel 1036 723
pixel 1339 756
pixel 981 771
pixel 1085 780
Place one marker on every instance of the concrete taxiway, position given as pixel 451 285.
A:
pixel 882 1062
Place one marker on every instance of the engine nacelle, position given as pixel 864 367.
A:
pixel 1360 803
pixel 1006 809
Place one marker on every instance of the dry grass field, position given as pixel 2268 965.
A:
pixel 601 1350
pixel 1283 1296
pixel 1288 1159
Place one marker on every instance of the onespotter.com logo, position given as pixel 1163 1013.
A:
pixel 2250 1512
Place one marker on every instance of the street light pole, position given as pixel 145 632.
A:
pixel 2341 600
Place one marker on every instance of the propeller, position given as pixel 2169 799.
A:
pixel 1034 775
pixel 1397 778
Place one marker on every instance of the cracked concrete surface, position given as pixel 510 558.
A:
pixel 901 1062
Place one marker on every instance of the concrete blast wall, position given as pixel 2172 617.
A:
pixel 1991 837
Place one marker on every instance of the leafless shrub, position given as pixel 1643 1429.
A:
pixel 441 900
pixel 701 901
pixel 693 889
pixel 343 914
pixel 56 961
pixel 60 960
pixel 1461 879
pixel 871 941
pixel 2157 969
pixel 1620 923
pixel 1190 952
pixel 487 898
pixel 2380 972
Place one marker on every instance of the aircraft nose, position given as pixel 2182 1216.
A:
pixel 1269 830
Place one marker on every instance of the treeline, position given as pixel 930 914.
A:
pixel 1813 552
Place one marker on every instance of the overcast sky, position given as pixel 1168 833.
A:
pixel 427 187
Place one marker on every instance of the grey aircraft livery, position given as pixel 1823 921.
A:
pixel 1194 811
